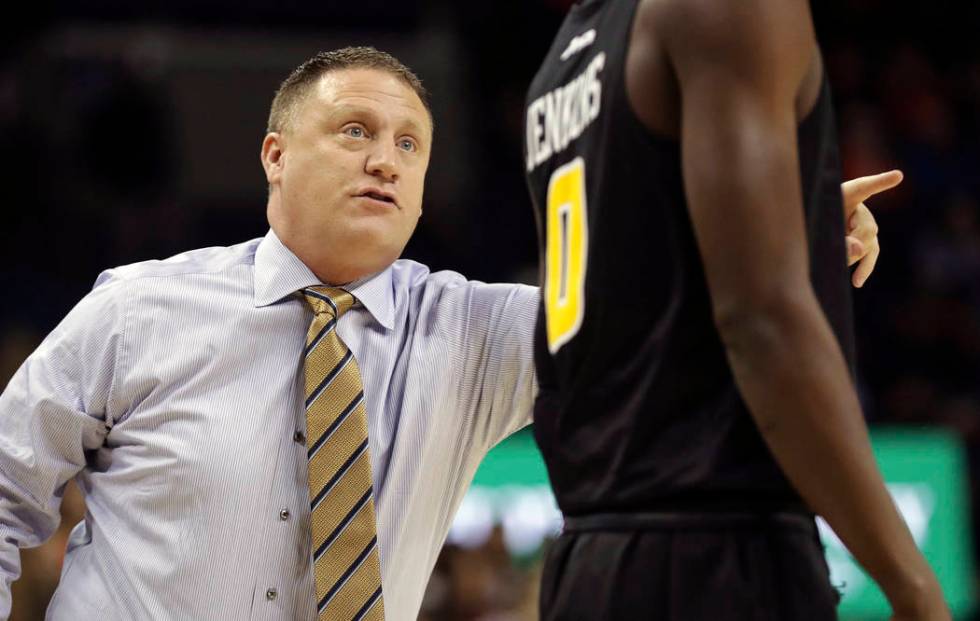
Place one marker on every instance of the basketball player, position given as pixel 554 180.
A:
pixel 695 335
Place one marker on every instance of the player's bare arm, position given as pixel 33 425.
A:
pixel 658 106
pixel 745 73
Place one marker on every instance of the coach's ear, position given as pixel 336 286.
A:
pixel 273 157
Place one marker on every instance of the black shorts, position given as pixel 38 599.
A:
pixel 688 567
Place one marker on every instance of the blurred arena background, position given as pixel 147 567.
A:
pixel 132 130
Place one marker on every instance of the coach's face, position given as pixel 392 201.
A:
pixel 346 176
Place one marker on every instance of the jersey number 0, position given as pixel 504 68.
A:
pixel 566 250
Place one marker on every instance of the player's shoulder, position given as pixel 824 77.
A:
pixel 713 12
pixel 200 261
pixel 700 21
pixel 663 15
pixel 764 40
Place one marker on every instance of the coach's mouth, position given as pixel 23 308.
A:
pixel 378 196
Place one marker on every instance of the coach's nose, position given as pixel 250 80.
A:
pixel 382 161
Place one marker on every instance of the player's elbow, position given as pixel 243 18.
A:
pixel 753 322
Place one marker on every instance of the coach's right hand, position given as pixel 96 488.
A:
pixel 860 225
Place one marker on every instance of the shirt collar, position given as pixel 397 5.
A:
pixel 279 273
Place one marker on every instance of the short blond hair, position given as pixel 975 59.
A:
pixel 295 87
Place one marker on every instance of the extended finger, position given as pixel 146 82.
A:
pixel 860 189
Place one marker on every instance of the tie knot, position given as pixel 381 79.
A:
pixel 330 300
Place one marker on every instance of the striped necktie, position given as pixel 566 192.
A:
pixel 346 564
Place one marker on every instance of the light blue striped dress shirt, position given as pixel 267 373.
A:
pixel 172 393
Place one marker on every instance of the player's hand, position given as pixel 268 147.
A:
pixel 860 225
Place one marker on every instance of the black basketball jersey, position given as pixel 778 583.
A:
pixel 638 409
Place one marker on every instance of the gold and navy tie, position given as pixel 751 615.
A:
pixel 346 564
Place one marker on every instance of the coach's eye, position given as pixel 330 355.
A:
pixel 407 144
pixel 355 131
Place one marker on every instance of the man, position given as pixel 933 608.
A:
pixel 232 435
pixel 202 424
pixel 695 331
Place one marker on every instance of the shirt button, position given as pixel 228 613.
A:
pixel 284 515
pixel 300 437
pixel 271 594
